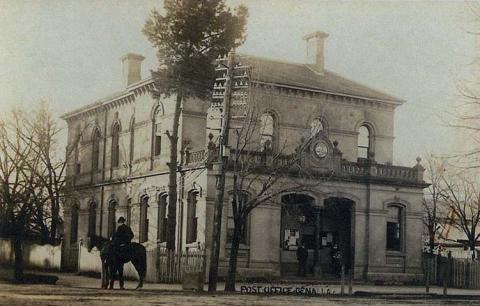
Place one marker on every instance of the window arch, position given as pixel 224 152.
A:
pixel 395 227
pixel 112 211
pixel 74 224
pixel 267 131
pixel 192 216
pixel 143 233
pixel 157 131
pixel 115 145
pixel 162 218
pixel 95 149
pixel 365 141
pixel 92 218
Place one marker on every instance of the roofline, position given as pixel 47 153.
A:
pixel 130 90
pixel 395 102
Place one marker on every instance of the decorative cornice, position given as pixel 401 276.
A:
pixel 117 100
pixel 310 93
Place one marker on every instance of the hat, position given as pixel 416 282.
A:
pixel 121 220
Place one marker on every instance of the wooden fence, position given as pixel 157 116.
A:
pixel 458 273
pixel 173 266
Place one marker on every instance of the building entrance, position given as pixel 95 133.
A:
pixel 326 231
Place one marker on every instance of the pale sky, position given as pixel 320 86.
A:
pixel 68 52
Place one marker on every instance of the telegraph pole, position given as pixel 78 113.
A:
pixel 221 165
pixel 232 84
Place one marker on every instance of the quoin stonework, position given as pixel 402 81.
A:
pixel 369 209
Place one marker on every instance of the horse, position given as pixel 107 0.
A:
pixel 113 260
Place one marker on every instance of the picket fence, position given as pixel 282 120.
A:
pixel 458 273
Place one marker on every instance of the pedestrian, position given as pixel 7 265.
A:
pixel 302 255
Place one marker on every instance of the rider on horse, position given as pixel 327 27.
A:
pixel 122 236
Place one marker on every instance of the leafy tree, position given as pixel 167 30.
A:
pixel 188 37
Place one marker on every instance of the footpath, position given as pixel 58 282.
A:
pixel 274 288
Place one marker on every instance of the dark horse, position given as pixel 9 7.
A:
pixel 113 260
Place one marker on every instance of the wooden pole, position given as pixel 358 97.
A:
pixel 342 289
pixel 350 281
pixel 223 160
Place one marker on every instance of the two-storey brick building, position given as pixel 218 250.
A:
pixel 370 209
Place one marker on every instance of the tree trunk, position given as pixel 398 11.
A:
pixel 172 178
pixel 431 242
pixel 53 227
pixel 232 264
pixel 472 249
pixel 18 251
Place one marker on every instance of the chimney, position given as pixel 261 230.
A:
pixel 315 51
pixel 132 68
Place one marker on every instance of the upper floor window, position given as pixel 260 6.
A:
pixel 267 129
pixel 316 127
pixel 364 142
pixel 95 150
pixel 157 133
pixel 132 141
pixel 115 145
pixel 394 228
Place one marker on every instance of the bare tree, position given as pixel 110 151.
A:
pixel 255 165
pixel 32 179
pixel 463 197
pixel 433 203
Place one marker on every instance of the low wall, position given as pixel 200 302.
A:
pixel 34 255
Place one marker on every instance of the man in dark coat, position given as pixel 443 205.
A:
pixel 302 255
pixel 123 235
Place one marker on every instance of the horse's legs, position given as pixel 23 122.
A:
pixel 140 266
pixel 120 276
pixel 113 270
pixel 104 275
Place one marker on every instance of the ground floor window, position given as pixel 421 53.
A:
pixel 394 228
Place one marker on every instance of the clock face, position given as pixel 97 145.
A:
pixel 321 149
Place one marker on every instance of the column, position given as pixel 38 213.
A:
pixel 317 270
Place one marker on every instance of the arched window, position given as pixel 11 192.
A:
pixel 157 132
pixel 112 211
pixel 316 126
pixel 143 235
pixel 267 129
pixel 395 228
pixel 242 200
pixel 95 150
pixel 132 142
pixel 364 142
pixel 192 216
pixel 115 145
pixel 74 225
pixel 92 218
pixel 162 218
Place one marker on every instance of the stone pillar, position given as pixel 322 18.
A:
pixel 317 270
